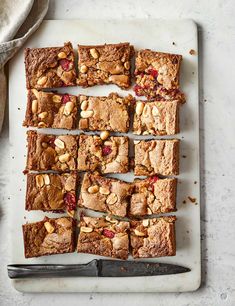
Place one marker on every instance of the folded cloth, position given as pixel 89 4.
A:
pixel 18 20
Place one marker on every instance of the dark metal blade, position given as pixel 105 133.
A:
pixel 111 268
pixel 101 267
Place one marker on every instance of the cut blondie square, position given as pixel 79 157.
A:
pixel 105 64
pixel 157 75
pixel 157 157
pixel 156 118
pixel 153 237
pixel 106 156
pixel 51 192
pixel 51 110
pixel 50 67
pixel 48 237
pixel 105 237
pixel 153 196
pixel 51 152
pixel 105 194
pixel 105 113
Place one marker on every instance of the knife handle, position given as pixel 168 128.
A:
pixel 51 270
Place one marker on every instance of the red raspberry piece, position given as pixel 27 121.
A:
pixel 153 180
pixel 70 201
pixel 65 98
pixel 52 142
pixel 137 90
pixel 108 233
pixel 153 72
pixel 65 64
pixel 106 150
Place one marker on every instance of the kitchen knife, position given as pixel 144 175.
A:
pixel 96 267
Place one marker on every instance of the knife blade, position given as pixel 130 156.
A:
pixel 95 268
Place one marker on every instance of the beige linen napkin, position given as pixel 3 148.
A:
pixel 18 20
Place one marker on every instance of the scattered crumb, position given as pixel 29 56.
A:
pixel 182 137
pixel 192 52
pixel 195 182
pixel 193 200
pixel 187 232
pixel 25 217
pixel 18 108
pixel 8 198
pixel 223 174
pixel 205 100
pixel 184 202
pixel 13 157
pixel 25 171
pixel 184 156
pixel 173 43
pixel 196 203
pixel 193 72
pixel 20 189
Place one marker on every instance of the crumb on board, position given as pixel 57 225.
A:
pixel 195 182
pixel 173 43
pixel 193 200
pixel 192 52
pixel 184 202
pixel 184 156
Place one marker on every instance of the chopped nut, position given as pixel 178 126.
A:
pixel 42 125
pixel 112 198
pixel 94 53
pixel 43 115
pixel 50 229
pixel 71 213
pixel 93 189
pixel 145 133
pixel 39 181
pixel 84 105
pixel 69 106
pixel 119 79
pixel 46 179
pixel 42 80
pixel 34 106
pixel 104 190
pixel 87 114
pixel 83 69
pixel 56 98
pixel 149 211
pixel 86 229
pixel 104 135
pixel 138 233
pixel 139 108
pixel 155 111
pixel 59 143
pixel 109 219
pixel 108 143
pixel 64 158
pixel 127 65
pixel 44 145
pixel 35 92
pixel 62 55
pixel 145 222
pixel 136 141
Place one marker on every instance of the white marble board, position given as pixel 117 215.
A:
pixel 154 34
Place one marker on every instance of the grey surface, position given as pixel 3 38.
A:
pixel 217 108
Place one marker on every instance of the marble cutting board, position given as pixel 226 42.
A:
pixel 142 33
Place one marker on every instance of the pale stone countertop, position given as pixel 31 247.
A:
pixel 217 109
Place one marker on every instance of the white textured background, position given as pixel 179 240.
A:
pixel 216 23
